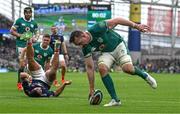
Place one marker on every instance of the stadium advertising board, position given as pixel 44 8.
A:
pixel 178 29
pixel 160 21
pixel 66 17
pixel 98 13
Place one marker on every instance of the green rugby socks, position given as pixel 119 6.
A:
pixel 140 73
pixel 108 83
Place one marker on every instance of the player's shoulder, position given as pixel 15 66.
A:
pixel 37 44
pixel 19 19
pixel 50 49
pixel 32 20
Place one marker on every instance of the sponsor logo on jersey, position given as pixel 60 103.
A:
pixel 37 51
pixel 101 47
pixel 32 26
pixel 45 54
pixel 93 49
pixel 23 24
pixel 39 56
pixel 27 29
pixel 100 40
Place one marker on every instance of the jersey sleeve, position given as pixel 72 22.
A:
pixel 35 27
pixel 50 53
pixel 99 28
pixel 26 87
pixel 16 23
pixel 61 38
pixel 35 45
pixel 87 51
pixel 47 93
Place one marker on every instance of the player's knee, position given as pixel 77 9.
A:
pixel 23 75
pixel 128 68
pixel 103 69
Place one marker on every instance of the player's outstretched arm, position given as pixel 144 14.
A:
pixel 61 88
pixel 90 72
pixel 111 23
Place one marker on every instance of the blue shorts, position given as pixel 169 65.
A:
pixel 29 87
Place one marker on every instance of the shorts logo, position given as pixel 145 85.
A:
pixel 122 51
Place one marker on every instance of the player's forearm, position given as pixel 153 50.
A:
pixel 120 21
pixel 59 90
pixel 126 22
pixel 64 48
pixel 14 33
pixel 91 78
pixel 47 65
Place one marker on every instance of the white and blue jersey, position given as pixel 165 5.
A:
pixel 55 37
pixel 29 87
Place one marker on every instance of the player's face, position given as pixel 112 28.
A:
pixel 28 15
pixel 45 42
pixel 54 30
pixel 81 40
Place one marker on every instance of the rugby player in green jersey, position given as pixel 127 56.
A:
pixel 101 37
pixel 23 28
pixel 42 52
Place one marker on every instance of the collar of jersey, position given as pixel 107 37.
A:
pixel 43 48
pixel 27 20
pixel 89 35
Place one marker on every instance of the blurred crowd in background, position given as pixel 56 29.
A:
pixel 8 57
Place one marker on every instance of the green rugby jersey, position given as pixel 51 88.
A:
pixel 102 39
pixel 42 55
pixel 23 26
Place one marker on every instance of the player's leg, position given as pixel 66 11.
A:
pixel 32 64
pixel 126 64
pixel 63 67
pixel 55 83
pixel 21 68
pixel 104 64
pixel 51 73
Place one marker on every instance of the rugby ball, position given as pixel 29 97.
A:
pixel 96 98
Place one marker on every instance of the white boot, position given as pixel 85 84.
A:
pixel 113 103
pixel 151 81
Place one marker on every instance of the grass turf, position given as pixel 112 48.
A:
pixel 135 94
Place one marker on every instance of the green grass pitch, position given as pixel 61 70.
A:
pixel 135 94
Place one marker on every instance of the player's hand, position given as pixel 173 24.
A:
pixel 27 35
pixel 34 39
pixel 91 93
pixel 68 82
pixel 142 27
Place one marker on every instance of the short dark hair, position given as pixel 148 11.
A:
pixel 46 35
pixel 27 9
pixel 74 34
pixel 34 93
